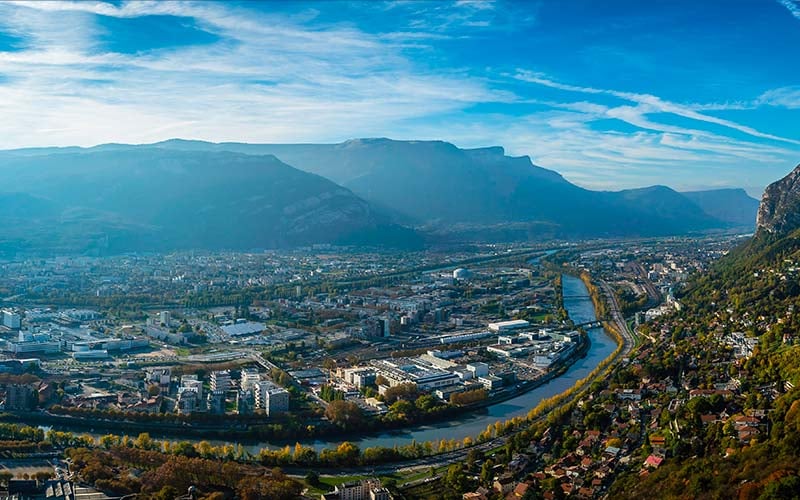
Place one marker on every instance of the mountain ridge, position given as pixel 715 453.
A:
pixel 152 199
pixel 440 180
pixel 368 192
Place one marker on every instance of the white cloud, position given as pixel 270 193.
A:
pixel 648 104
pixel 269 79
pixel 793 7
pixel 787 97
pixel 285 78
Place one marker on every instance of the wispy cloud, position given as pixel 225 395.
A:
pixel 269 79
pixel 271 76
pixel 648 104
pixel 787 97
pixel 793 6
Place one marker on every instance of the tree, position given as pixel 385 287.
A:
pixel 184 448
pixel 473 456
pixel 42 476
pixel 407 391
pixel 402 409
pixel 166 493
pixel 487 472
pixel 312 478
pixel 426 403
pixel 345 414
pixel 348 453
pixel 143 441
pixel 455 478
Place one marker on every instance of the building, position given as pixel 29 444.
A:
pixel 478 369
pixel 359 376
pixel 191 383
pixel 216 402
pixel 463 337
pixel 491 382
pixel 246 328
pixel 221 380
pixel 28 343
pixel 11 319
pixel 188 402
pixel 271 398
pixel 245 401
pixel 461 274
pixel 250 377
pixel 164 318
pixel 419 372
pixel 366 489
pixel 78 315
pixel 505 326
pixel 21 397
pixel 93 355
pixel 161 375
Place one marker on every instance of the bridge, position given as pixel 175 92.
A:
pixel 589 324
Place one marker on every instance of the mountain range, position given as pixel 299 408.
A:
pixel 182 194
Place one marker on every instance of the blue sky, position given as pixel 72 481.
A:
pixel 611 94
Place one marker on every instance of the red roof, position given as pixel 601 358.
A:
pixel 653 461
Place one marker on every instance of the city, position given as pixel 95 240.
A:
pixel 385 346
pixel 399 250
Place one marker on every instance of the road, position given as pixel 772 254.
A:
pixel 616 317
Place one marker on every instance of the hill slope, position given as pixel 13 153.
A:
pixel 753 290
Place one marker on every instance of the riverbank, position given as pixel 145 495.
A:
pixel 456 427
pixel 415 454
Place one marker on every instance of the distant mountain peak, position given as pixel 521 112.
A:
pixel 779 211
pixel 731 205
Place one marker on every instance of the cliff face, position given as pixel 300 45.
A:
pixel 779 211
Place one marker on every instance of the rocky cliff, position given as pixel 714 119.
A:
pixel 779 211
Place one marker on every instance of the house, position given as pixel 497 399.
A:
pixel 519 491
pixel 653 461
pixel 480 494
pixel 504 484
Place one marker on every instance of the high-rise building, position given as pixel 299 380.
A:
pixel 188 401
pixel 216 402
pixel 11 319
pixel 221 380
pixel 249 379
pixel 21 397
pixel 271 398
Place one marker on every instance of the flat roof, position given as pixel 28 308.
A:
pixel 248 328
pixel 514 323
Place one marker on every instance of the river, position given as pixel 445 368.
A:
pixel 579 305
pixel 580 308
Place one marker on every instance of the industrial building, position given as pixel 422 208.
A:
pixel 505 326
pixel 244 328
pixel 415 371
